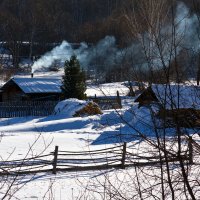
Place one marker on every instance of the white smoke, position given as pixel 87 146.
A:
pixel 61 53
pixel 107 53
pixel 187 27
pixel 105 49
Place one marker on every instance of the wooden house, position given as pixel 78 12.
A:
pixel 31 89
pixel 177 102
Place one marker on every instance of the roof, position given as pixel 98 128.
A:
pixel 38 85
pixel 173 96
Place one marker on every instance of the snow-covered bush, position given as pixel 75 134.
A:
pixel 76 108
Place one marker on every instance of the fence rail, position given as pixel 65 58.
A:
pixel 115 157
pixel 26 108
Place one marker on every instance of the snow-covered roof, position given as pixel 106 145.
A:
pixel 38 85
pixel 177 96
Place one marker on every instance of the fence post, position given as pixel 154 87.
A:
pixel 123 156
pixel 190 150
pixel 119 100
pixel 55 159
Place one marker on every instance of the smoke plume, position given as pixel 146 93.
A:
pixel 105 49
pixel 107 53
pixel 61 53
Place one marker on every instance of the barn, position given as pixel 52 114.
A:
pixel 31 89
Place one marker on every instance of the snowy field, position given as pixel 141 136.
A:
pixel 30 136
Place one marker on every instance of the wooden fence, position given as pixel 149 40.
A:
pixel 26 108
pixel 108 102
pixel 115 157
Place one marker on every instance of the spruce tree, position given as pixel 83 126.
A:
pixel 73 81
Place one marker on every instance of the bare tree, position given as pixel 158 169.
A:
pixel 157 29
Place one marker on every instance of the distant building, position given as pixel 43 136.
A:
pixel 178 103
pixel 31 89
pixel 171 96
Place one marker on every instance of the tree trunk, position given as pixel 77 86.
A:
pixel 198 70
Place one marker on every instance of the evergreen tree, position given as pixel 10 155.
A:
pixel 73 81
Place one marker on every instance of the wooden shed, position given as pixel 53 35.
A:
pixel 31 89
pixel 171 96
pixel 178 103
pixel 22 97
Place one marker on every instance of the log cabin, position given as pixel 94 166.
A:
pixel 178 103
pixel 31 89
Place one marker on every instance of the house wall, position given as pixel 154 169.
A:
pixel 12 93
pixel 185 117
pixel 15 95
pixel 44 97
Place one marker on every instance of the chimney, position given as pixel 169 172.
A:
pixel 31 75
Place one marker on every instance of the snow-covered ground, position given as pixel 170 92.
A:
pixel 29 136
pixel 33 136
pixel 108 89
